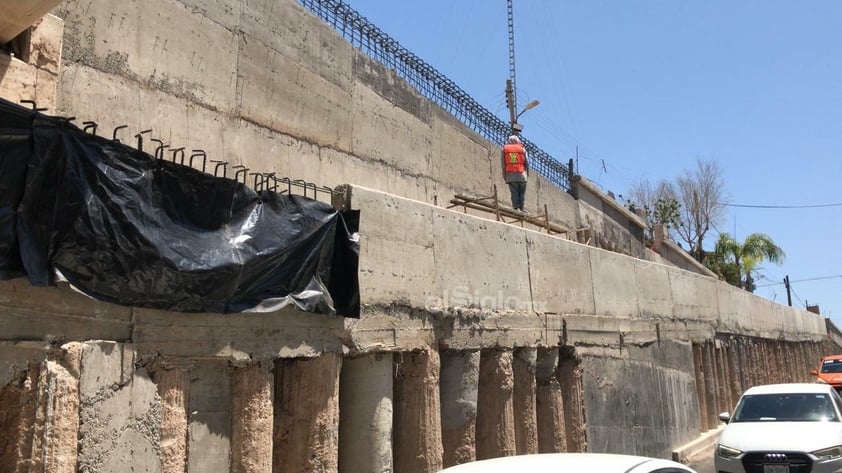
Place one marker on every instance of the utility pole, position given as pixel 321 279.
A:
pixel 788 292
pixel 510 101
pixel 511 84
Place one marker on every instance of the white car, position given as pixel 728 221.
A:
pixel 572 462
pixel 783 428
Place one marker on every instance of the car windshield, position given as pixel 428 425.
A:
pixel 790 407
pixel 832 366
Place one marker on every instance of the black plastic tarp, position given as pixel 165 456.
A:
pixel 123 227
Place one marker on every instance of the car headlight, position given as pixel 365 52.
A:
pixel 727 452
pixel 820 381
pixel 829 453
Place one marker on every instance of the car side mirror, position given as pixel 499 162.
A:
pixel 814 372
pixel 724 417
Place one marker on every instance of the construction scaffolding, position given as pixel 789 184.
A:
pixel 503 213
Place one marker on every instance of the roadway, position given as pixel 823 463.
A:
pixel 703 461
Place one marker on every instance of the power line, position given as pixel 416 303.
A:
pixel 802 280
pixel 813 206
pixel 796 296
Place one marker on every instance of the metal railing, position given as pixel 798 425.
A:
pixel 429 82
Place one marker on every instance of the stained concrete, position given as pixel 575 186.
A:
pixel 459 387
pixel 524 399
pixel 209 409
pixel 549 403
pixel 417 403
pixel 366 414
pixel 654 419
pixel 251 418
pixel 306 421
pixel 495 405
pixel 120 412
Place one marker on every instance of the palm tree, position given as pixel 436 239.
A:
pixel 746 256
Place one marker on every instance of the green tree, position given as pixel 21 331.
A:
pixel 738 262
pixel 659 204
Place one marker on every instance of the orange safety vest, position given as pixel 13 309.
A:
pixel 514 157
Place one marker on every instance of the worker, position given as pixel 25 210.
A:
pixel 515 170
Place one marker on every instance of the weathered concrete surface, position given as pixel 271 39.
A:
pixel 386 274
pixel 694 296
pixel 120 412
pixel 526 423
pixel 701 389
pixel 37 78
pixel 307 414
pixel 57 313
pixel 479 164
pixel 251 419
pixel 561 276
pixel 39 410
pixel 417 404
pixel 209 407
pixel 16 17
pixel 651 282
pixel 549 403
pixel 495 405
pixel 633 421
pixel 570 377
pixel 285 333
pixel 708 367
pixel 18 419
pixel 108 37
pixel 366 413
pixel 463 267
pixel 57 421
pixel 459 386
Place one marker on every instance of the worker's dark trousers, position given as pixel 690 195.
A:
pixel 518 190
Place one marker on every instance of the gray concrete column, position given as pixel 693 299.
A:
pixel 549 404
pixel 112 387
pixel 807 362
pixel 173 388
pixel 526 423
pixel 709 368
pixel 459 388
pixel 722 391
pixel 770 365
pixel 209 428
pixel 495 409
pixel 365 414
pixel 781 358
pixel 734 387
pixel 740 362
pixel 798 369
pixel 418 445
pixel 307 414
pixel 701 385
pixel 572 390
pixel 754 368
pixel 251 418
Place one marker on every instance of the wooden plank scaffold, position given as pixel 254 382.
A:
pixel 502 212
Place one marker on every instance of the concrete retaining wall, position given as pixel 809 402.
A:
pixel 603 322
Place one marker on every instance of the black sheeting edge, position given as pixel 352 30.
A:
pixel 125 228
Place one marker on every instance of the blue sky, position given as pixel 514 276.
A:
pixel 644 88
